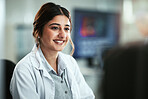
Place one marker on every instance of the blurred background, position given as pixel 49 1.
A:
pixel 98 25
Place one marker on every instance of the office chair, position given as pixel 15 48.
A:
pixel 8 71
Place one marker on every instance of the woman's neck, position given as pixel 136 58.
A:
pixel 51 57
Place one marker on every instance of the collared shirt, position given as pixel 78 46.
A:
pixel 62 89
pixel 61 68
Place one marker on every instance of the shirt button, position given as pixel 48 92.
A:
pixel 61 81
pixel 65 92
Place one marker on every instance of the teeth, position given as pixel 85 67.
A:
pixel 59 41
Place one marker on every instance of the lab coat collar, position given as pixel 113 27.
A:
pixel 36 62
pixel 37 50
pixel 44 61
pixel 61 63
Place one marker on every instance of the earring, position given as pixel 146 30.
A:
pixel 38 40
pixel 38 37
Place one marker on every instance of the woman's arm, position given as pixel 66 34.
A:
pixel 22 85
pixel 85 90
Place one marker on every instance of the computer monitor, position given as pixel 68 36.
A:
pixel 94 31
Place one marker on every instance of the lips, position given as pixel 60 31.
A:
pixel 59 41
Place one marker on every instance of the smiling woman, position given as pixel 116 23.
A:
pixel 46 14
pixel 46 72
pixel 56 34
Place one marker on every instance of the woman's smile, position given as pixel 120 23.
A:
pixel 59 42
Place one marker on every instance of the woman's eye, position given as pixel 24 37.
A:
pixel 54 28
pixel 67 29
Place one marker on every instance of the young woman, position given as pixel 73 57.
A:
pixel 47 73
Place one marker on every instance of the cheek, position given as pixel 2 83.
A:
pixel 46 38
pixel 68 36
pixel 49 35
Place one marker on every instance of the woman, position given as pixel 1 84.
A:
pixel 46 73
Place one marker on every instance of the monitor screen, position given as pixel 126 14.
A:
pixel 94 30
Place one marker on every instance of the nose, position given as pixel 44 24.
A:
pixel 62 34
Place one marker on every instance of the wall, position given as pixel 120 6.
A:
pixel 130 32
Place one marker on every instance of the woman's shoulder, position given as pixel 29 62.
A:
pixel 25 62
pixel 24 68
pixel 66 56
pixel 69 60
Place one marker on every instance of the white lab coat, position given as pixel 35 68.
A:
pixel 31 80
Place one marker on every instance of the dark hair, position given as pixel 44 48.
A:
pixel 46 13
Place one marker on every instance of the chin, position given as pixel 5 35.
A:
pixel 60 49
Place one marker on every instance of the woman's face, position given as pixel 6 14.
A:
pixel 56 34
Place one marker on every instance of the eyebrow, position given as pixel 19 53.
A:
pixel 58 24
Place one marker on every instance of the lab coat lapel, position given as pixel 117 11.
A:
pixel 47 79
pixel 36 61
pixel 71 77
pixel 73 84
